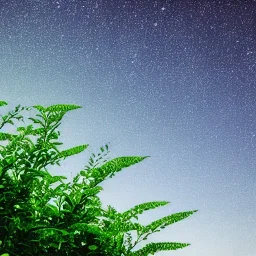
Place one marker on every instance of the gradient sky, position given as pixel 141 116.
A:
pixel 174 80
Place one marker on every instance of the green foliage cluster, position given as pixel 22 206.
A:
pixel 76 224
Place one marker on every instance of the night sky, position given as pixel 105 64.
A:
pixel 173 80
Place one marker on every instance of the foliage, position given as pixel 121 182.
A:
pixel 76 224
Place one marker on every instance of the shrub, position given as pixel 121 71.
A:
pixel 76 223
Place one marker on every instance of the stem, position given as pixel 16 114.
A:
pixel 5 121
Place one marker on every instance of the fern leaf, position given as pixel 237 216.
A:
pixel 72 151
pixel 124 227
pixel 113 166
pixel 167 220
pixel 139 209
pixel 152 248
pixel 62 107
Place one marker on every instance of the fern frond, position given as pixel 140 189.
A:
pixel 152 248
pixel 139 209
pixel 167 220
pixel 62 107
pixel 72 151
pixel 111 167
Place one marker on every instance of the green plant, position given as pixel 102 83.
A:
pixel 76 223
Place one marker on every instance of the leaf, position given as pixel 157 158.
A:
pixel 72 151
pixel 37 131
pixel 40 116
pixel 57 143
pixel 83 173
pixel 62 107
pixel 92 191
pixel 39 173
pixel 56 179
pixel 126 226
pixel 9 160
pixel 167 220
pixel 26 130
pixel 139 209
pixel 54 245
pixel 64 232
pixel 40 108
pixel 10 122
pixel 91 228
pixel 19 117
pixel 21 129
pixel 36 121
pixel 92 247
pixel 3 103
pixel 69 201
pixel 51 209
pixel 7 136
pixel 59 188
pixel 17 108
pixel 115 165
pixel 152 248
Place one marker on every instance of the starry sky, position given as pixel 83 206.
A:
pixel 169 79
